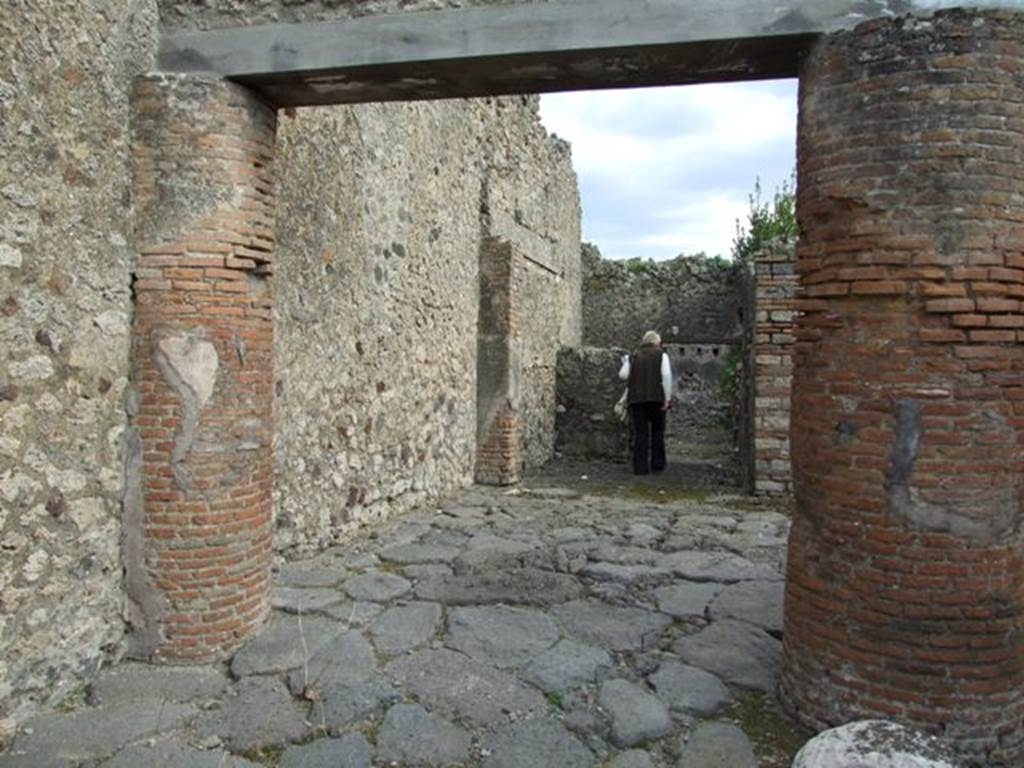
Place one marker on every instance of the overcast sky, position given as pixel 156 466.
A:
pixel 665 171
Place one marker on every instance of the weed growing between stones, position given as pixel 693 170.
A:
pixel 651 493
pixel 554 701
pixel 780 504
pixel 775 737
pixel 266 756
pixel 73 700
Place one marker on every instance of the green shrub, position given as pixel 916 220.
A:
pixel 729 387
pixel 766 222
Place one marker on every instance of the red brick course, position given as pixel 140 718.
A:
pixel 203 193
pixel 905 584
pixel 499 458
pixel 771 358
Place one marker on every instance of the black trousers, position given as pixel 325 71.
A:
pixel 648 437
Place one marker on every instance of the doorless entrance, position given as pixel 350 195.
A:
pixel 905 584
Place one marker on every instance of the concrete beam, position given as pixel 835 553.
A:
pixel 522 48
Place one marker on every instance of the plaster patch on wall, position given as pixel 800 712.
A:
pixel 985 519
pixel 189 364
pixel 144 604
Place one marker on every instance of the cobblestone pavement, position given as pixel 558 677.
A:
pixel 580 619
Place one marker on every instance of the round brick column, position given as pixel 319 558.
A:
pixel 905 587
pixel 198 509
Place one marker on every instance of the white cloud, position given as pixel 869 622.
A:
pixel 668 170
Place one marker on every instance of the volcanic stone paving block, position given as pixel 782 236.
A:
pixel 349 751
pixel 302 600
pixel 687 599
pixel 303 575
pixel 713 745
pixel 613 627
pixel 53 739
pixel 406 626
pixel 348 658
pixel 542 669
pixel 516 586
pixel 477 693
pixel 499 635
pixel 689 689
pixel 340 705
pixel 410 554
pixel 377 586
pixel 756 602
pixel 739 653
pixel 724 567
pixel 636 715
pixel 172 753
pixel 262 713
pixel 533 744
pixel 286 644
pixel 139 682
pixel 566 665
pixel 626 574
pixel 412 736
pixel 633 758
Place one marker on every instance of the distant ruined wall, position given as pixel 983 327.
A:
pixel 383 214
pixel 703 310
pixel 685 299
pixel 65 310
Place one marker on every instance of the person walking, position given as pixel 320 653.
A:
pixel 649 396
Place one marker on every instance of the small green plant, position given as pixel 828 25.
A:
pixel 766 221
pixel 554 701
pixel 776 738
pixel 269 757
pixel 729 387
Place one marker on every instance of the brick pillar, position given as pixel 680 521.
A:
pixel 905 584
pixel 198 510
pixel 775 286
pixel 499 431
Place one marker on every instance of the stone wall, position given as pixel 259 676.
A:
pixel 588 387
pixel 382 214
pixel 698 423
pixel 686 299
pixel 65 310
pixel 533 204
pixel 378 298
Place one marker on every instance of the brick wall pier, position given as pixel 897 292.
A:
pixel 198 509
pixel 905 584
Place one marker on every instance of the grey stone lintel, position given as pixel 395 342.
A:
pixel 523 48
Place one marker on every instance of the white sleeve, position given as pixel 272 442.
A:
pixel 666 376
pixel 624 370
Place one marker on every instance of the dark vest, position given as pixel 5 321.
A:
pixel 645 375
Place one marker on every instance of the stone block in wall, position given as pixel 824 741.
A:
pixel 588 387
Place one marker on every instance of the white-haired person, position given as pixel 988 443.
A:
pixel 649 396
